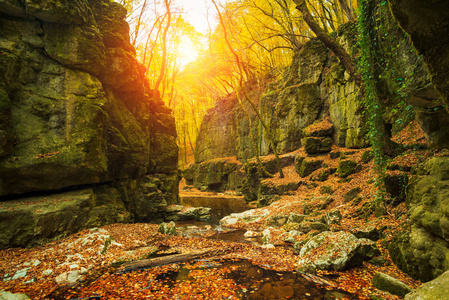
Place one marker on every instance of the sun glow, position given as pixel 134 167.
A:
pixel 187 50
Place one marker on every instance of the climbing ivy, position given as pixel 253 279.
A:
pixel 371 98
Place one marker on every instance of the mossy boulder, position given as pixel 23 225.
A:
pixel 427 201
pixel 329 251
pixel 323 175
pixel 36 220
pixel 346 167
pixel 367 156
pixel 217 175
pixel 309 165
pixel 419 253
pixel 295 218
pixel 333 217
pixel 298 162
pixel 368 232
pixel 314 145
pixel 423 251
pixel 277 220
pixel 167 228
pixel 435 289
pixel 319 129
pixel 271 166
pixel 390 284
pixel 352 194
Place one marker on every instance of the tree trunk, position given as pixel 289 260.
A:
pixel 139 22
pixel 164 49
pixel 166 260
pixel 330 42
pixel 347 9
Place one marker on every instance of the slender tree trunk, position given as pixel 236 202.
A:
pixel 164 48
pixel 185 144
pixel 148 40
pixel 347 9
pixel 139 21
pixel 153 46
pixel 190 142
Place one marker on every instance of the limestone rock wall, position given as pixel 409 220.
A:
pixel 76 111
pixel 427 24
pixel 315 86
pixel 423 250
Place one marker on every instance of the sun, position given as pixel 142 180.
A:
pixel 187 51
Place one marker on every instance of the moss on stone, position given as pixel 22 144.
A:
pixel 308 166
pixel 346 168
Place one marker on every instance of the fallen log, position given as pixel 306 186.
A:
pixel 166 260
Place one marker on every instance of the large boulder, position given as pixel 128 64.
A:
pixel 428 202
pixel 423 251
pixel 435 289
pixel 390 284
pixel 328 251
pixel 248 216
pixel 420 254
pixel 215 175
pixel 10 296
pixel 33 221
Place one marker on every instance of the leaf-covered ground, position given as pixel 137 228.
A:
pixel 95 254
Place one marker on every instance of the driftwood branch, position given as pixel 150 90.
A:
pixel 166 260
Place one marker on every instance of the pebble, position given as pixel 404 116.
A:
pixel 47 272
pixel 30 281
pixel 251 234
pixel 268 246
pixel 20 273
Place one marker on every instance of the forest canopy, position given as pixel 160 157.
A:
pixel 192 65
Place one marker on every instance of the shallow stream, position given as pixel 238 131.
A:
pixel 205 278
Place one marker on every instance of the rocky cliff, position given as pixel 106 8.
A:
pixel 316 86
pixel 76 113
pixel 423 249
